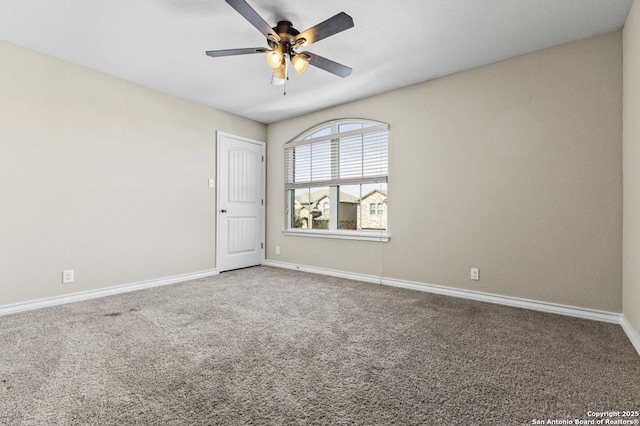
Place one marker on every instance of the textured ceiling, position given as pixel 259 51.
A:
pixel 161 43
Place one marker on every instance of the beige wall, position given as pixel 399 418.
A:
pixel 631 260
pixel 515 168
pixel 101 176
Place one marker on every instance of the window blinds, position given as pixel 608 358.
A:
pixel 353 157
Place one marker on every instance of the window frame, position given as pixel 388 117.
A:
pixel 305 138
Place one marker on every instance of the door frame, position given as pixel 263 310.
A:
pixel 263 145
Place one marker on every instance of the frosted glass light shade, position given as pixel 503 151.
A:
pixel 300 63
pixel 279 76
pixel 274 58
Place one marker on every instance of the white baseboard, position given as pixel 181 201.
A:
pixel 323 271
pixel 535 305
pixel 555 308
pixel 631 333
pixel 109 291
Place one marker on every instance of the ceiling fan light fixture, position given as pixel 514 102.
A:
pixel 285 43
pixel 300 62
pixel 274 59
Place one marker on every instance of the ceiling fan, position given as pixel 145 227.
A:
pixel 286 43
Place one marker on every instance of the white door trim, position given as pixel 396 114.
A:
pixel 220 134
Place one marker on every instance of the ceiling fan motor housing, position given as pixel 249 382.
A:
pixel 287 38
pixel 286 31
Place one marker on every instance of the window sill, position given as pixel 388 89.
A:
pixel 341 235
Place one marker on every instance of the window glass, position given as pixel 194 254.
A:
pixel 322 132
pixel 362 207
pixel 375 197
pixel 349 207
pixel 300 217
pixel 310 208
pixel 347 127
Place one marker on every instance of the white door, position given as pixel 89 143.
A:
pixel 240 217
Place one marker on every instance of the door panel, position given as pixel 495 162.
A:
pixel 240 202
pixel 241 234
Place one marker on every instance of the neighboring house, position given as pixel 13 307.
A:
pixel 311 211
pixel 322 209
pixel 373 210
pixel 306 209
pixel 304 216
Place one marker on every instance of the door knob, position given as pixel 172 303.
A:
pixel 223 211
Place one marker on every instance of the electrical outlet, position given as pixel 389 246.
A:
pixel 475 274
pixel 67 276
pixel 277 249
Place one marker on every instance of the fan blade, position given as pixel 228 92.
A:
pixel 243 8
pixel 328 65
pixel 233 52
pixel 331 26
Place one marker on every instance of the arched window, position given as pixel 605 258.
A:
pixel 336 180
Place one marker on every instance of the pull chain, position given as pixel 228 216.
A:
pixel 287 59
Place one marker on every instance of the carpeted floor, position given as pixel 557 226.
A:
pixel 270 346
